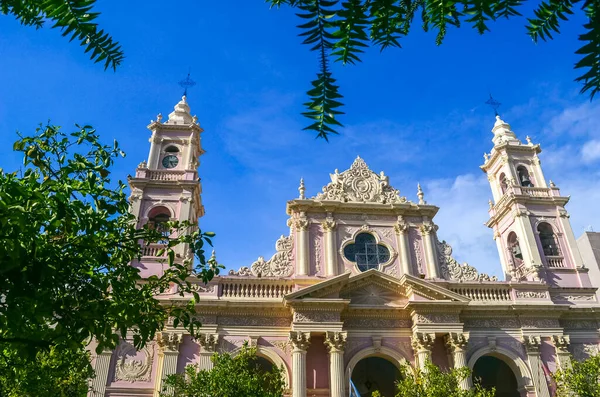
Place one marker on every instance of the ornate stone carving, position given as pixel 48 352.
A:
pixel 539 323
pixel 283 345
pixel 301 223
pixel 374 322
pixel 335 341
pixel 280 264
pixel 299 340
pixel 430 318
pixel 571 297
pixel 208 342
pixel 579 324
pixel 372 294
pixel 355 344
pixel 360 184
pixel 456 341
pixel 316 317
pixel 532 294
pixel 561 343
pixel 317 246
pixel 328 224
pixel 131 369
pixel 169 341
pixel 427 228
pixel 417 250
pixel 255 321
pixel 452 270
pixel 401 226
pixel 532 343
pixel 497 322
pixel 422 341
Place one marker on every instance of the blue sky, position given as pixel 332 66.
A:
pixel 417 113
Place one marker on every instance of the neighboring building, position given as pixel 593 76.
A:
pixel 362 284
pixel 589 246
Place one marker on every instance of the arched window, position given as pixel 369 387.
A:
pixel 158 218
pixel 514 249
pixel 366 252
pixel 503 183
pixel 548 240
pixel 524 178
pixel 172 149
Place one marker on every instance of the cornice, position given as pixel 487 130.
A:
pixel 498 151
pixel 392 209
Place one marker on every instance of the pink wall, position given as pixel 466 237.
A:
pixel 189 352
pixel 317 364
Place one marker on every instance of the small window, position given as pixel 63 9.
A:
pixel 503 183
pixel 524 178
pixel 548 240
pixel 172 149
pixel 158 218
pixel 366 252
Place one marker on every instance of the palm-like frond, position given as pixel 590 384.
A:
pixel 591 50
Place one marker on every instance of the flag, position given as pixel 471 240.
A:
pixel 353 391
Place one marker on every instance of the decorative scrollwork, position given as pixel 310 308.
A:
pixel 360 184
pixel 452 270
pixel 131 369
pixel 280 264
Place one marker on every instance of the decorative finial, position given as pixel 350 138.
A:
pixel 528 140
pixel 186 83
pixel 552 184
pixel 491 203
pixel 420 194
pixel 159 118
pixel 195 119
pixel 301 189
pixel 494 104
pixel 486 157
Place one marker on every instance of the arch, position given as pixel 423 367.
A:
pixel 392 356
pixel 159 208
pixel 514 362
pixel 514 249
pixel 273 357
pixel 172 149
pixel 490 371
pixel 524 177
pixel 548 240
pixel 503 183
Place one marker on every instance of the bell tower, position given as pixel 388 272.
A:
pixel 166 186
pixel 531 226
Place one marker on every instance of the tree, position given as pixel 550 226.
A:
pixel 239 375
pixel 67 240
pixel 433 382
pixel 581 378
pixel 76 19
pixel 342 30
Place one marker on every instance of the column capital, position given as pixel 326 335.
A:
pixel 208 342
pixel 335 341
pixel 329 224
pixel 561 343
pixel 532 343
pixel 428 228
pixel 301 223
pixel 422 341
pixel 168 342
pixel 456 341
pixel 299 340
pixel 401 226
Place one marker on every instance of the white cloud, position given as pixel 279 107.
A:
pixel 590 151
pixel 573 121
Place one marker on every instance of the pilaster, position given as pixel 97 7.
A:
pixel 401 228
pixel 531 254
pixel 208 346
pixel 563 219
pixel 302 256
pixel 422 344
pixel 101 367
pixel 168 354
pixel 336 343
pixel 561 345
pixel 532 346
pixel 456 343
pixel 331 266
pixel 428 233
pixel 300 342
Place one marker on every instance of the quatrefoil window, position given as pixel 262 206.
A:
pixel 366 252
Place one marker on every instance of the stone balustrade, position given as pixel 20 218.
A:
pixel 536 191
pixel 256 289
pixel 165 175
pixel 152 250
pixel 555 261
pixel 482 292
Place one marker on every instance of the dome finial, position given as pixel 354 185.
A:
pixel 420 194
pixel 301 189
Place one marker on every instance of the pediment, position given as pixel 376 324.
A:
pixel 374 288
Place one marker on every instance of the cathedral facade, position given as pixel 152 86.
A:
pixel 362 285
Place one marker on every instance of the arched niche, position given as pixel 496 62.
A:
pixel 271 356
pixel 515 363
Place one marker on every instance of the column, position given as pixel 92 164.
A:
pixel 168 353
pixel 422 344
pixel 331 266
pixel 427 231
pixel 401 228
pixel 101 367
pixel 527 240
pixel 456 343
pixel 561 345
pixel 336 342
pixel 301 224
pixel 300 342
pixel 532 345
pixel 208 345
pixel 153 155
pixel 569 238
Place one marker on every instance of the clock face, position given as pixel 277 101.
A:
pixel 170 161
